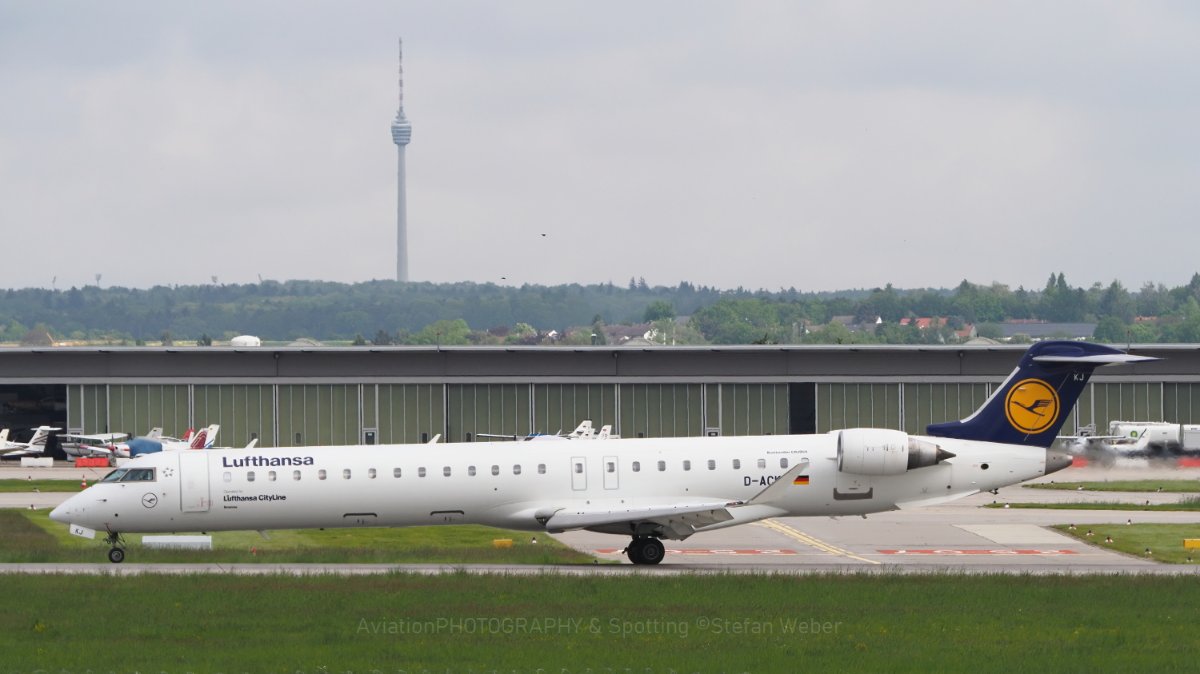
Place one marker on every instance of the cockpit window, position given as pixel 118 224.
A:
pixel 115 476
pixel 139 475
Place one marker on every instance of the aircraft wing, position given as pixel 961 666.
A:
pixel 96 450
pixel 678 521
pixel 98 439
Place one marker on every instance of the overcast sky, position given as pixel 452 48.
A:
pixel 816 145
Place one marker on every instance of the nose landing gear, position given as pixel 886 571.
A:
pixel 116 554
pixel 645 550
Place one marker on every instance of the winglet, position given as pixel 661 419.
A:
pixel 781 487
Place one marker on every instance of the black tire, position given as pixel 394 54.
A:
pixel 645 551
pixel 634 551
pixel 652 551
pixel 116 555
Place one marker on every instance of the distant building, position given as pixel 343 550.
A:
pixel 1037 330
pixel 924 323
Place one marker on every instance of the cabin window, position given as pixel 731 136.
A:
pixel 578 467
pixel 421 471
pixel 712 464
pixel 395 472
pixel 296 475
pixel 471 471
pixel 346 474
pixel 610 467
pixel 762 463
pixel 371 473
pixel 517 469
pixel 249 476
pixel 783 462
pixel 662 465
pixel 737 464
pixel 445 471
pixel 687 465
pixel 637 466
pixel 271 475
pixel 541 469
pixel 321 474
pixel 495 470
pixel 227 476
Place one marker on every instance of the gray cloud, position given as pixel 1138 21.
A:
pixel 815 145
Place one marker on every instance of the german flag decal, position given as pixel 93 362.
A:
pixel 801 479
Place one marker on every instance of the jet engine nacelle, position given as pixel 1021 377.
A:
pixel 879 451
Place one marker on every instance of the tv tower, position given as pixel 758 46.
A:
pixel 401 135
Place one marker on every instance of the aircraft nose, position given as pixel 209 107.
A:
pixel 59 514
pixel 1056 460
pixel 66 510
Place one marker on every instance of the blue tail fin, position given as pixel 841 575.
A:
pixel 1031 405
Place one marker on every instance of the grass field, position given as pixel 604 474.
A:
pixel 1191 503
pixel 463 623
pixel 30 536
pixel 1174 486
pixel 1165 541
pixel 25 486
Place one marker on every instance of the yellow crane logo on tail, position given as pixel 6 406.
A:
pixel 1031 406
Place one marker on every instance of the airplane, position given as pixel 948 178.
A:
pixel 203 439
pixel 35 447
pixel 79 445
pixel 647 489
pixel 1136 439
pixel 583 431
pixel 155 441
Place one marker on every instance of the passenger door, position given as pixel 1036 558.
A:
pixel 193 481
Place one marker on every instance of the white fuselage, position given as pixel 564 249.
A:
pixel 519 485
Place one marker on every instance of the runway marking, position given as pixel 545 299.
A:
pixel 714 551
pixel 798 535
pixel 978 552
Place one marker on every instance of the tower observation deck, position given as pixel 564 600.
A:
pixel 401 135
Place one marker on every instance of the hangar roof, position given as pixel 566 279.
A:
pixel 594 364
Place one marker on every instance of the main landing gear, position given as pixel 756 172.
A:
pixel 116 554
pixel 645 550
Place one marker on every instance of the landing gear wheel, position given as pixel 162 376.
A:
pixel 116 555
pixel 645 551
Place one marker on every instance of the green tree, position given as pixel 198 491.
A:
pixel 658 310
pixel 444 333
pixel 1112 330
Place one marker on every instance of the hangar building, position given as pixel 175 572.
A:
pixel 294 396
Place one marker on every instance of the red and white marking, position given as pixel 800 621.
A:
pixel 977 552
pixel 715 551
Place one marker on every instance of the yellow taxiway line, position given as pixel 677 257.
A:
pixel 796 534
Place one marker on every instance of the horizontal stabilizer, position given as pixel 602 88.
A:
pixel 1098 359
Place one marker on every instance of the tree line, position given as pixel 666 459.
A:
pixel 387 312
